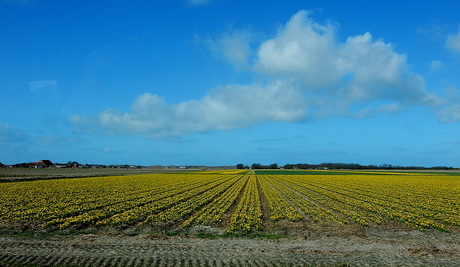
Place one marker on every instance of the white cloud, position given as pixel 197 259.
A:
pixel 309 74
pixel 232 46
pixel 224 108
pixel 359 69
pixel 450 112
pixel 303 49
pixel 453 41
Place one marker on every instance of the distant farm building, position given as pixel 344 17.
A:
pixel 44 163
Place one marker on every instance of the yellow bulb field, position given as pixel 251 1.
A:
pixel 235 200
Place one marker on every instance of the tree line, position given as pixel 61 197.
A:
pixel 338 166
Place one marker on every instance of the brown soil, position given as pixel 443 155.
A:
pixel 313 246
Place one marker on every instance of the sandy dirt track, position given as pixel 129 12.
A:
pixel 375 248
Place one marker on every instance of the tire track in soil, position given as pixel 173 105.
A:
pixel 314 260
pixel 136 251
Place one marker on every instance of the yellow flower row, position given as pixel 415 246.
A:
pixel 248 214
pixel 310 206
pixel 340 203
pixel 203 198
pixel 213 212
pixel 280 208
pixel 192 204
pixel 158 202
pixel 422 202
pixel 419 201
pixel 87 200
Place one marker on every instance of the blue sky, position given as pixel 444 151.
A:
pixel 220 82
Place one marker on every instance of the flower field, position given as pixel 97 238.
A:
pixel 235 200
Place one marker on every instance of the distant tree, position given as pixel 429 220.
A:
pixel 306 166
pixel 273 166
pixel 240 166
pixel 257 166
pixel 22 165
pixel 386 166
pixel 434 168
pixel 73 164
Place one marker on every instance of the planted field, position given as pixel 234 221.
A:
pixel 235 200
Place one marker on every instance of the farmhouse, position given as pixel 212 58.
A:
pixel 44 163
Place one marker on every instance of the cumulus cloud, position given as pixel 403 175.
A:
pixel 359 69
pixel 308 73
pixel 302 49
pixel 223 108
pixel 453 41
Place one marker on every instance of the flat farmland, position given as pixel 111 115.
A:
pixel 228 204
pixel 23 174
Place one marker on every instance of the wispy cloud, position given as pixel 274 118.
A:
pixel 436 66
pixel 18 2
pixel 233 46
pixel 111 150
pixel 54 140
pixel 48 88
pixel 450 112
pixel 384 108
pixel 10 134
pixel 434 31
pixel 453 41
pixel 283 139
pixel 38 86
pixel 199 2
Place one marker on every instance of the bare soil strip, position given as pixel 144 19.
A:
pixel 373 247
